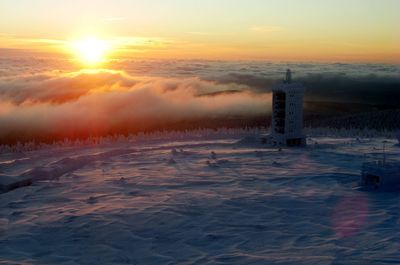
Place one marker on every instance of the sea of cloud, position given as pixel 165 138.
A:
pixel 53 98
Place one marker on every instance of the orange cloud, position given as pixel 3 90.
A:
pixel 99 102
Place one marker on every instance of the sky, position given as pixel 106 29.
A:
pixel 276 30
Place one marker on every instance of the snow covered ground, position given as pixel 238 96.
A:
pixel 197 201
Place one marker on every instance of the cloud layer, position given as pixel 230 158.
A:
pixel 47 98
pixel 57 105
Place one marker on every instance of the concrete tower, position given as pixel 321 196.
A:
pixel 287 113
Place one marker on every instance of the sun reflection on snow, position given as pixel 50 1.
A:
pixel 349 215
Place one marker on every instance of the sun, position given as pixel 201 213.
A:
pixel 91 51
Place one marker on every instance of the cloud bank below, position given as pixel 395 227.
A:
pixel 77 104
pixel 42 98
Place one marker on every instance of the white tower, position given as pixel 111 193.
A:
pixel 287 113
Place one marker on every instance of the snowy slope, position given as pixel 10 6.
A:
pixel 197 201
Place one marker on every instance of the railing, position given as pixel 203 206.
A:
pixel 388 164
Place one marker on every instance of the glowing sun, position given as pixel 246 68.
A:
pixel 91 51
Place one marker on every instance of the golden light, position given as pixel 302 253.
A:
pixel 91 51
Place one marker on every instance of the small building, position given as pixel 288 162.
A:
pixel 380 175
pixel 287 113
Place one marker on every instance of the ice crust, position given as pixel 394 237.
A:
pixel 197 201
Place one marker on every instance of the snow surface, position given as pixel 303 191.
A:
pixel 197 201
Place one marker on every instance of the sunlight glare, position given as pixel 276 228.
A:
pixel 91 51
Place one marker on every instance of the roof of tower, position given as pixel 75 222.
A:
pixel 288 85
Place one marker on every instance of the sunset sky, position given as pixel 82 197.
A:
pixel 307 30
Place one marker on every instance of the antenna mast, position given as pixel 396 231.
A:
pixel 288 78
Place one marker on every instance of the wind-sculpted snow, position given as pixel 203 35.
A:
pixel 54 170
pixel 198 201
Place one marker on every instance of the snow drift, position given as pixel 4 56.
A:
pixel 198 200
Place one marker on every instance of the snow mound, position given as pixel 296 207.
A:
pixel 8 183
pixel 252 140
pixel 210 201
pixel 54 170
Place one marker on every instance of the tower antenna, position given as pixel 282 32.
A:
pixel 288 78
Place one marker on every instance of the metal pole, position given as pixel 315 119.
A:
pixel 384 153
